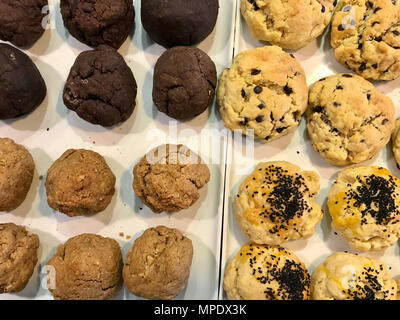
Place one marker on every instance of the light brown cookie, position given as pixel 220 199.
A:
pixel 396 142
pixel 169 177
pixel 18 257
pixel 276 203
pixel 79 183
pixel 16 173
pixel 86 267
pixel 157 266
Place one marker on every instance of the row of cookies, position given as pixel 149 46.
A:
pixel 263 272
pixel 365 35
pixel 167 179
pixel 91 267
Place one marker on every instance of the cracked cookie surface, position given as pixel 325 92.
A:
pixel 263 272
pixel 79 183
pixel 290 24
pixel 169 177
pixel 158 264
pixel 86 267
pixel 366 37
pixel 96 22
pixel 184 82
pixel 264 91
pixel 348 119
pixel 101 87
pixel 18 257
pixel 276 203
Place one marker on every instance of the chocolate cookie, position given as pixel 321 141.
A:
pixel 101 87
pixel 21 21
pixel 179 22
pixel 22 87
pixel 98 22
pixel 184 82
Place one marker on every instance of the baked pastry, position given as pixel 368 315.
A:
pixel 21 22
pixel 348 119
pixel 157 266
pixel 98 22
pixel 79 183
pixel 263 272
pixel 16 173
pixel 86 267
pixel 364 204
pixel 169 177
pixel 18 257
pixel 348 276
pixel 184 82
pixel 22 87
pixel 366 37
pixel 290 24
pixel 101 87
pixel 276 203
pixel 263 94
pixel 179 22
pixel 396 142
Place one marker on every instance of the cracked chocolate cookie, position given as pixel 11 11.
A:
pixel 263 94
pixel 348 119
pixel 101 87
pixel 22 87
pixel 96 22
pixel 18 257
pixel 21 21
pixel 179 22
pixel 168 178
pixel 79 183
pixel 263 272
pixel 184 82
pixel 86 267
pixel 366 37
pixel 290 24
pixel 158 264
pixel 16 173
pixel 276 203
pixel 364 204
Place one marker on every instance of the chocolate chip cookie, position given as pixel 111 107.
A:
pixel 290 24
pixel 184 82
pixel 22 87
pixel 96 22
pixel 396 142
pixel 366 37
pixel 101 87
pixel 179 22
pixel 263 94
pixel 348 119
pixel 22 21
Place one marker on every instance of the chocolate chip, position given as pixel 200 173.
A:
pixel 377 9
pixel 335 3
pixel 378 39
pixel 375 66
pixel 280 130
pixel 288 90
pixel 360 45
pixel 261 106
pixel 370 4
pixel 323 8
pixel 375 23
pixel 339 87
pixel 243 93
pixel 317 109
pixel 292 56
pixel 260 118
pixel 244 122
pixel 341 27
pixel 396 33
pixel 346 75
pixel 258 89
pixel 334 130
pixel 271 117
pixel 362 67
pixel 368 96
pixel 384 121
pixel 267 138
pixel 255 72
pixel 337 104
pixel 394 2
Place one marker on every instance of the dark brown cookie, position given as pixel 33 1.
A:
pixel 179 22
pixel 22 88
pixel 96 22
pixel 21 21
pixel 101 87
pixel 184 82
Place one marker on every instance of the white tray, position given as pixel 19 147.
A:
pixel 51 129
pixel 318 61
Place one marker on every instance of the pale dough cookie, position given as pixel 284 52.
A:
pixel 16 173
pixel 364 204
pixel 347 276
pixel 276 203
pixel 348 119
pixel 158 264
pixel 18 257
pixel 366 37
pixel 290 24
pixel 168 178
pixel 263 94
pixel 396 142
pixel 262 272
